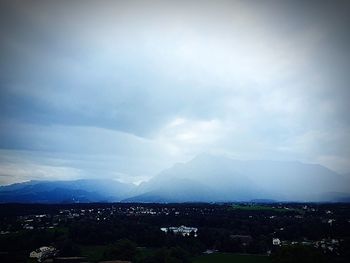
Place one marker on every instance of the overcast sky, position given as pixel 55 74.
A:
pixel 124 89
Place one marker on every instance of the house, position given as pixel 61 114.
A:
pixel 43 253
pixel 182 230
pixel 276 242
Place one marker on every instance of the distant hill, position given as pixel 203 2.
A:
pixel 173 190
pixel 212 178
pixel 65 191
pixel 206 178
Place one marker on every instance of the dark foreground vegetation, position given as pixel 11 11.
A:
pixel 132 232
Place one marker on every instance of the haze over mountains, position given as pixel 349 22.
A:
pixel 65 191
pixel 125 89
pixel 206 178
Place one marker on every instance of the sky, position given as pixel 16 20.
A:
pixel 125 89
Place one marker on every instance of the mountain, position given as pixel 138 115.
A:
pixel 214 178
pixel 163 189
pixel 206 178
pixel 65 191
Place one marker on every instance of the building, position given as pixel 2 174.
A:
pixel 182 230
pixel 43 253
pixel 276 242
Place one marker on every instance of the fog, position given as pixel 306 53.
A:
pixel 125 89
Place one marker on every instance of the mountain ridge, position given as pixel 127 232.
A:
pixel 82 190
pixel 205 178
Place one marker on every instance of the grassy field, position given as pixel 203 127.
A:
pixel 231 258
pixel 93 253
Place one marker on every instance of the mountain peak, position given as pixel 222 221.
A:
pixel 206 177
pixel 230 179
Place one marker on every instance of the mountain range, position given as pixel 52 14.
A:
pixel 206 178
pixel 65 191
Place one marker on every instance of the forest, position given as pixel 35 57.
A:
pixel 306 232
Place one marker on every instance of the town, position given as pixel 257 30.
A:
pixel 187 232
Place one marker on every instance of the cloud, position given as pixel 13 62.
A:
pixel 141 86
pixel 14 168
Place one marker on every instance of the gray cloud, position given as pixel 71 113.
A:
pixel 152 83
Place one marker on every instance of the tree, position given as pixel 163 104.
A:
pixel 68 248
pixel 298 254
pixel 124 249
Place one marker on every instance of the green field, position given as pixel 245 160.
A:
pixel 96 253
pixel 231 258
pixel 93 253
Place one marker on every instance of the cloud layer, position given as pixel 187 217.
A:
pixel 125 89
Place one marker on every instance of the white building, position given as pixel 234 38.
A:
pixel 182 230
pixel 276 242
pixel 43 252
